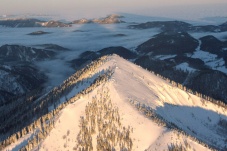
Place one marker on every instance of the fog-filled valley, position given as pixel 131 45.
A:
pixel 123 81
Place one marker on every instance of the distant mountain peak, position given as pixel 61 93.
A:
pixel 110 19
pixel 30 22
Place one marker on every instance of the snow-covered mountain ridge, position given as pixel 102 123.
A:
pixel 30 22
pixel 110 19
pixel 161 115
pixel 184 51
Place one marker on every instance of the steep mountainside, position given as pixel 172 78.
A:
pixel 19 74
pixel 23 53
pixel 16 81
pixel 113 103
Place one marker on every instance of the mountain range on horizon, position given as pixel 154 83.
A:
pixel 112 84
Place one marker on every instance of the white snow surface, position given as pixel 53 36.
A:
pixel 163 57
pixel 211 60
pixel 130 82
pixel 185 67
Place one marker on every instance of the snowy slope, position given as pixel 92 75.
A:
pixel 211 60
pixel 131 87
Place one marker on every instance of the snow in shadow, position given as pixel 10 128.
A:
pixel 206 125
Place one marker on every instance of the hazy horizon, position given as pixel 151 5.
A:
pixel 77 9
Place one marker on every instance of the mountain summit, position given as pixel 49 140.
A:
pixel 113 104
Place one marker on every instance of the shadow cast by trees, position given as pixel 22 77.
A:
pixel 206 125
pixel 201 125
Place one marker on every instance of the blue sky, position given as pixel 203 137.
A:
pixel 86 8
